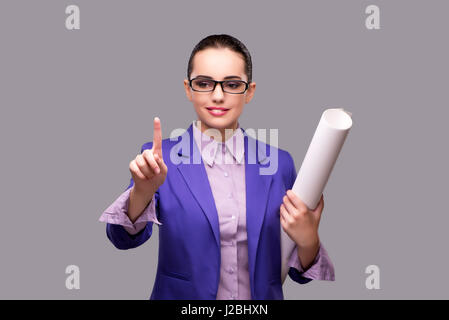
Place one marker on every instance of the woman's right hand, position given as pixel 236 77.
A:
pixel 148 169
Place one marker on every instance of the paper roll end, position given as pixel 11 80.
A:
pixel 338 118
pixel 349 113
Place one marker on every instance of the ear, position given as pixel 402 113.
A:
pixel 250 92
pixel 187 89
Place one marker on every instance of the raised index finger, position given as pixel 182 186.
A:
pixel 157 137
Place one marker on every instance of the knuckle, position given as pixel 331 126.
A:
pixel 139 161
pixel 154 164
pixel 296 215
pixel 134 167
pixel 146 155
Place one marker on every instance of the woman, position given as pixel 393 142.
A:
pixel 219 221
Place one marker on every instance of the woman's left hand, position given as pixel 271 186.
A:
pixel 300 223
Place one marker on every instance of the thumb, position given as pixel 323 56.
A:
pixel 319 209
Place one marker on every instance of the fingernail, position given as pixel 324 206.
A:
pixel 157 170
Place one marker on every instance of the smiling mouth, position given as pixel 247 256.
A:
pixel 217 111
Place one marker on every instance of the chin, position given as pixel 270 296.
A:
pixel 219 123
pixel 216 123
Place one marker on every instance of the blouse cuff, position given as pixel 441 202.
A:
pixel 320 269
pixel 117 213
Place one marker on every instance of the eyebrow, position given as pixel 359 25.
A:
pixel 227 77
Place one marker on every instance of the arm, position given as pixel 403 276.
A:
pixel 123 233
pixel 311 262
pixel 321 267
pixel 130 219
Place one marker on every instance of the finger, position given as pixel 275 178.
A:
pixel 135 169
pixel 157 136
pixel 288 205
pixel 284 214
pixel 144 166
pixel 149 158
pixel 283 222
pixel 161 163
pixel 320 205
pixel 297 202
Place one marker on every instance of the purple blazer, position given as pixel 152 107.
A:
pixel 189 239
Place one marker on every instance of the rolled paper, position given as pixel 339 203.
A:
pixel 316 167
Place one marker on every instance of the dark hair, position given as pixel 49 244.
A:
pixel 223 41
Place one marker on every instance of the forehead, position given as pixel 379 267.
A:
pixel 218 63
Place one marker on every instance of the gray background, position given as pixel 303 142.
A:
pixel 76 106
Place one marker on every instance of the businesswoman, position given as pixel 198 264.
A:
pixel 219 218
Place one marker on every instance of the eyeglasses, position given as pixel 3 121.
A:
pixel 228 86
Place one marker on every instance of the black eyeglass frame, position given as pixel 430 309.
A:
pixel 221 84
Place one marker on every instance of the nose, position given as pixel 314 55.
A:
pixel 218 94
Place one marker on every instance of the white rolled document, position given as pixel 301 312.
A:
pixel 316 167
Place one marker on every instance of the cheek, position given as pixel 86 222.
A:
pixel 237 103
pixel 238 109
pixel 199 102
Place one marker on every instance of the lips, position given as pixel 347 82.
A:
pixel 217 111
pixel 217 108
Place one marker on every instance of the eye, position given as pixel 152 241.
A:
pixel 234 84
pixel 203 83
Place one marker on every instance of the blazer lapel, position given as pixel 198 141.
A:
pixel 257 193
pixel 195 176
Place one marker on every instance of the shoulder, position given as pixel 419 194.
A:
pixel 284 157
pixel 287 168
pixel 280 160
pixel 286 164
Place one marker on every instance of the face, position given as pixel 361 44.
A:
pixel 218 64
